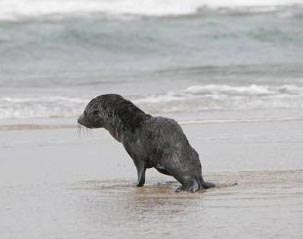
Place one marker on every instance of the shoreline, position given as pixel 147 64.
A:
pixel 14 126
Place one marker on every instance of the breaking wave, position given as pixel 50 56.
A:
pixel 192 100
pixel 225 97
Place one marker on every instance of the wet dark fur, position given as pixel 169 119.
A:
pixel 129 114
pixel 150 141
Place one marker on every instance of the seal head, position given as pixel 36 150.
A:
pixel 109 110
pixel 93 115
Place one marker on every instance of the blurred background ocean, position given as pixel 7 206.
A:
pixel 194 60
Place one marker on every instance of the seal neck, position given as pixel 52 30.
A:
pixel 115 128
pixel 119 131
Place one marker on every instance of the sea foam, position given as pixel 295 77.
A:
pixel 191 100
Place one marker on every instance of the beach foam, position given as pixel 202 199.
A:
pixel 225 97
pixel 193 99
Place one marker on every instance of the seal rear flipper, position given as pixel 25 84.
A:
pixel 193 188
pixel 198 186
pixel 207 185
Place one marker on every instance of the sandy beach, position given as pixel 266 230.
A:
pixel 56 183
pixel 230 72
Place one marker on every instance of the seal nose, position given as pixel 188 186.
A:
pixel 83 121
pixel 80 119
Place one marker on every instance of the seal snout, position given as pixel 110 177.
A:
pixel 83 121
pixel 80 119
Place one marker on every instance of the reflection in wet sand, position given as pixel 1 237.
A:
pixel 254 205
pixel 44 190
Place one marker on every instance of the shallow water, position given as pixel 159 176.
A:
pixel 55 184
pixel 262 205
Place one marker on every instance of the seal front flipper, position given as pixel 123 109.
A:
pixel 140 165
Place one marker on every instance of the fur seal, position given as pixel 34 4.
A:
pixel 150 141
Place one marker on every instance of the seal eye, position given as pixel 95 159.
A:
pixel 95 112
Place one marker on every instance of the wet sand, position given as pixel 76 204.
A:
pixel 55 184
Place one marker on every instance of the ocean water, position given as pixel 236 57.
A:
pixel 190 60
